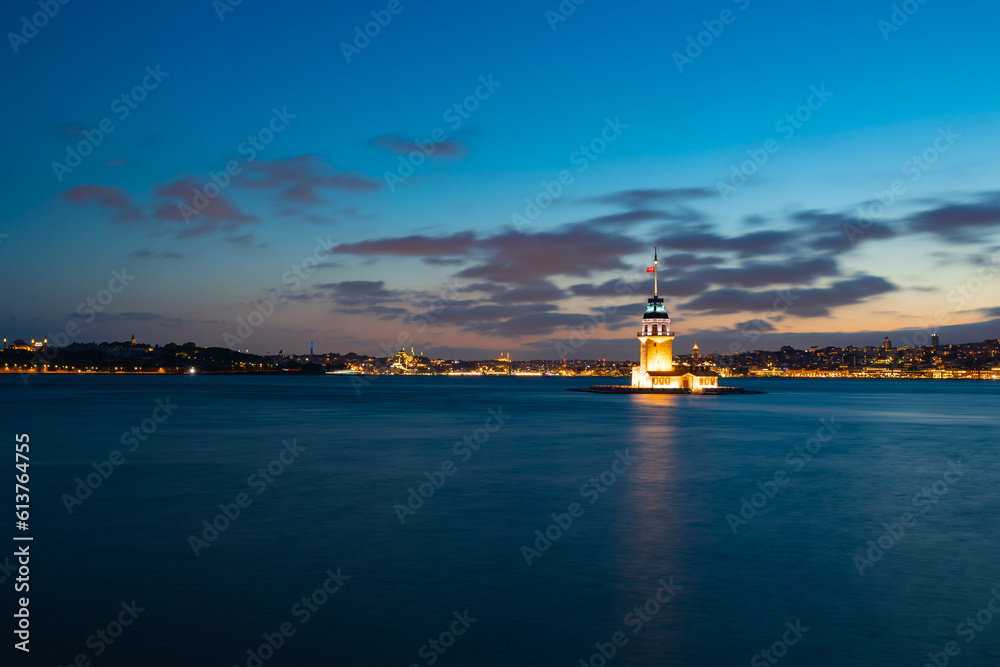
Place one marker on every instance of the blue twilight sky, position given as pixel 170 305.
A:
pixel 749 141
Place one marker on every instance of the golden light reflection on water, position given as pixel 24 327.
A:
pixel 651 547
pixel 650 492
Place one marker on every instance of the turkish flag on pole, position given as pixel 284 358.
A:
pixel 650 269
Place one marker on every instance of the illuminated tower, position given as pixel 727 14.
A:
pixel 935 340
pixel 656 340
pixel 886 344
pixel 694 351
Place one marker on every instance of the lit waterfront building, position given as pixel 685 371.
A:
pixel 656 368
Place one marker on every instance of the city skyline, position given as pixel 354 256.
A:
pixel 511 201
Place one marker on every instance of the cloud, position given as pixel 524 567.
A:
pixel 960 223
pixel 359 292
pixel 755 325
pixel 837 233
pixel 69 130
pixel 814 302
pixel 113 199
pixel 638 203
pixel 640 198
pixel 301 179
pixel 686 260
pixel 760 274
pixel 380 312
pixel 629 217
pixel 416 245
pixel 616 287
pixel 529 259
pixel 103 195
pixel 184 207
pixel 449 148
pixel 545 291
pixel 176 204
pixel 143 253
pixel 247 240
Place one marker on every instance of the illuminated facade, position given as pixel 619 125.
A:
pixel 656 368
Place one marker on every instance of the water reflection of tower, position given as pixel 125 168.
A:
pixel 654 540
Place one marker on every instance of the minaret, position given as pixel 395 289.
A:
pixel 656 340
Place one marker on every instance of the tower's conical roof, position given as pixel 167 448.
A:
pixel 655 310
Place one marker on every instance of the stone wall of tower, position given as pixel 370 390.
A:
pixel 658 353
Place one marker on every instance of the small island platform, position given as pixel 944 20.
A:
pixel 625 389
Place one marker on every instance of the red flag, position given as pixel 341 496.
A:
pixel 650 269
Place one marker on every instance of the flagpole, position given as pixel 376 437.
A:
pixel 655 262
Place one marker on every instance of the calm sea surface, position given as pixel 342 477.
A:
pixel 718 498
